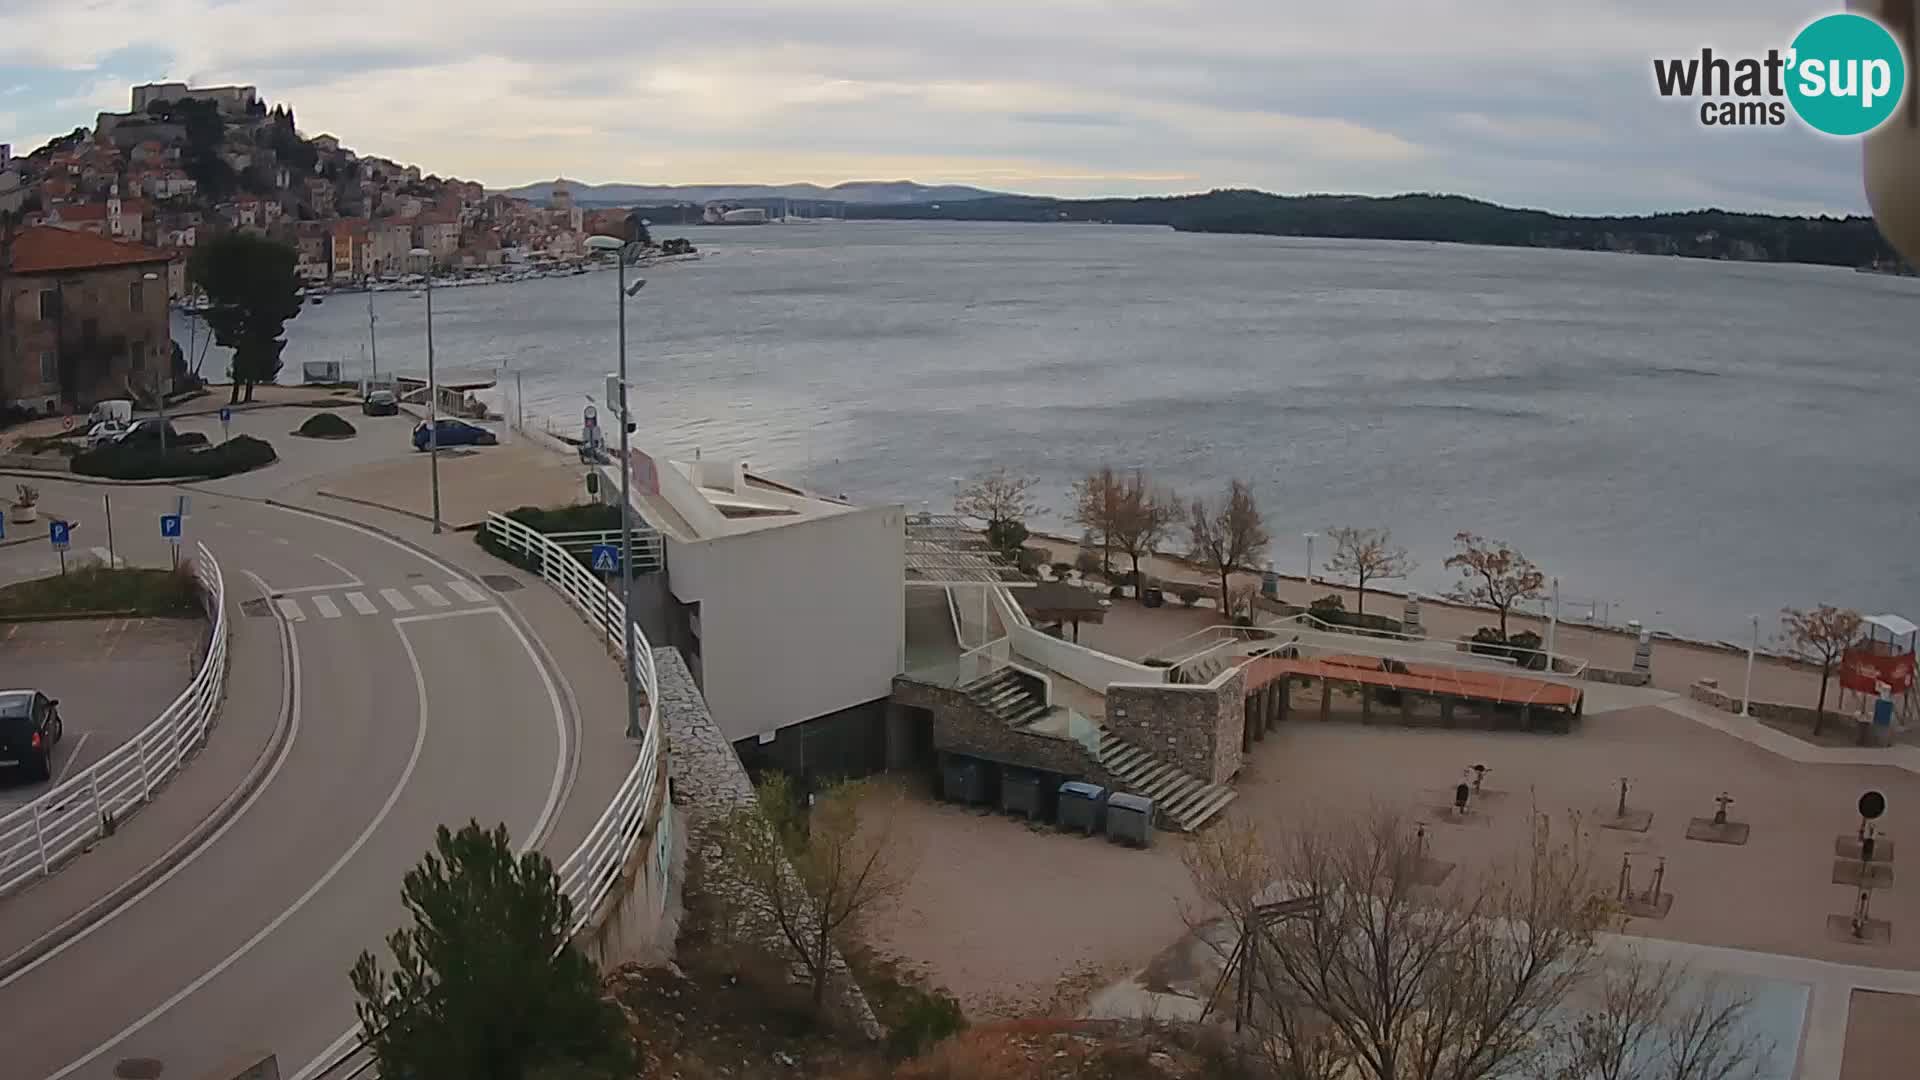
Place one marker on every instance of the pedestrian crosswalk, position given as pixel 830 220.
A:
pixel 392 600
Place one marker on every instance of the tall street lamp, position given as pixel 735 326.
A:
pixel 433 393
pixel 1746 694
pixel 621 293
pixel 1310 537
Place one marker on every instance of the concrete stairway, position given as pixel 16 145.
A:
pixel 1179 799
pixel 1009 694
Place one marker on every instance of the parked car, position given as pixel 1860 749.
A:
pixel 146 430
pixel 29 727
pixel 454 432
pixel 381 403
pixel 104 432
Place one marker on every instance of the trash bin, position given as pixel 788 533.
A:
pixel 1130 818
pixel 1151 596
pixel 1020 793
pixel 1081 806
pixel 963 780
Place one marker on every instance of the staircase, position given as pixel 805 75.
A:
pixel 1009 694
pixel 1179 799
pixel 1200 672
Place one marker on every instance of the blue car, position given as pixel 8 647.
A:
pixel 454 433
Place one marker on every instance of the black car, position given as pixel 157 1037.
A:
pixel 381 403
pixel 29 726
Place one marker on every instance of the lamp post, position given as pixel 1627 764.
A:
pixel 433 394
pixel 621 293
pixel 1310 537
pixel 1746 693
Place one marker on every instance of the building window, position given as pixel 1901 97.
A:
pixel 49 304
pixel 134 296
pixel 49 368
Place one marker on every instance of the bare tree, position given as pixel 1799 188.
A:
pixel 1145 516
pixel 1821 636
pixel 1648 1020
pixel 1366 555
pixel 1002 501
pixel 1097 498
pixel 1391 978
pixel 807 879
pixel 1493 575
pixel 1229 534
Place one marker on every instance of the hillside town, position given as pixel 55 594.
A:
pixel 185 163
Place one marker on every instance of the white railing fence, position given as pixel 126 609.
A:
pixel 92 802
pixel 588 876
pixel 649 551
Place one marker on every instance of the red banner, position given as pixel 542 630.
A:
pixel 1864 672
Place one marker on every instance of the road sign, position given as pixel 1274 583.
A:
pixel 226 414
pixel 58 532
pixel 170 527
pixel 606 559
pixel 226 419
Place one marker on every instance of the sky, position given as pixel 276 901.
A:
pixel 1543 103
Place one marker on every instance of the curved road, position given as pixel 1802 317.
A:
pixel 412 700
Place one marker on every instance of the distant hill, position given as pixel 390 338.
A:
pixel 1706 234
pixel 870 192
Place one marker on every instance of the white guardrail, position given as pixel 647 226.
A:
pixel 87 805
pixel 589 875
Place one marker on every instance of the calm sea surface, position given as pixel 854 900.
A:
pixel 1689 441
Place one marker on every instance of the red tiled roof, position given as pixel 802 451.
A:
pixel 45 249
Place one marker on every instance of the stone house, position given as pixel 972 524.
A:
pixel 81 315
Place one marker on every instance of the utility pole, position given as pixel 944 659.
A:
pixel 373 341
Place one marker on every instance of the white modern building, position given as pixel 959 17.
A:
pixel 788 606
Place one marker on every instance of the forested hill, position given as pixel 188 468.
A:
pixel 1711 234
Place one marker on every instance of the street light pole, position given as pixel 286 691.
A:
pixel 1746 693
pixel 1310 537
pixel 621 293
pixel 433 397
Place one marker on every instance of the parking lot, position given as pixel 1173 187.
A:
pixel 111 677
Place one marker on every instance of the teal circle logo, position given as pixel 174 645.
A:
pixel 1846 74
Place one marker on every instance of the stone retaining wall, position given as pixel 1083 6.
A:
pixel 1617 678
pixel 709 784
pixel 1197 728
pixel 962 727
pixel 1708 692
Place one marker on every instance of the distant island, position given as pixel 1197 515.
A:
pixel 1704 234
pixel 768 196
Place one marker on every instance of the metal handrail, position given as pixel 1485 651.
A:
pixel 590 874
pixel 92 802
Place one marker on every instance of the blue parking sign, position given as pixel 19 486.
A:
pixel 606 559
pixel 170 526
pixel 58 531
pixel 226 414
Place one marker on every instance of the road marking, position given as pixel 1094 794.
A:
pixel 396 599
pixel 361 604
pixel 352 578
pixel 289 716
pixel 290 608
pixel 562 783
pixel 467 592
pixel 73 755
pixel 326 607
pixel 432 596
pixel 234 957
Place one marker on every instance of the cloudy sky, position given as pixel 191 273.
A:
pixel 1546 103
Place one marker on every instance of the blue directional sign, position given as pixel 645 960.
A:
pixel 169 526
pixel 606 559
pixel 58 531
pixel 226 414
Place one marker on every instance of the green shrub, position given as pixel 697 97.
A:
pixel 1029 560
pixel 1116 592
pixel 1086 562
pixel 119 462
pixel 326 425
pixel 94 587
pixel 1189 595
pixel 584 517
pixel 927 1017
pixel 1330 603
pixel 1062 569
pixel 1523 648
pixel 1007 537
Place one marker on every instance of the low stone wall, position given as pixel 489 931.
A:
pixel 1198 728
pixel 53 463
pixel 709 784
pixel 1708 692
pixel 961 727
pixel 1617 678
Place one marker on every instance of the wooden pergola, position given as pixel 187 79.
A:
pixel 1056 603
